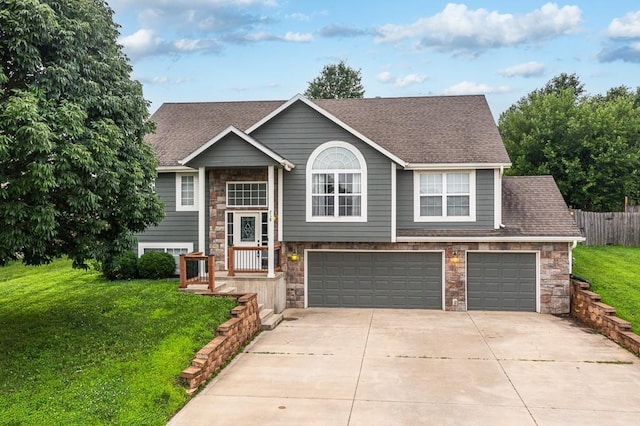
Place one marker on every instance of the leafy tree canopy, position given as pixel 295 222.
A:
pixel 336 81
pixel 75 173
pixel 590 144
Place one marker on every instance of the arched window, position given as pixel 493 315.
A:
pixel 336 183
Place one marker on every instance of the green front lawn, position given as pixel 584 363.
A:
pixel 614 273
pixel 77 349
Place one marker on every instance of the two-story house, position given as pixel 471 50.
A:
pixel 382 202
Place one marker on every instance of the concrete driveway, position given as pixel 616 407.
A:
pixel 408 367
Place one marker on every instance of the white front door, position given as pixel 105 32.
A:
pixel 247 231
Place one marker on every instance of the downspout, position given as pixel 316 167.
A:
pixel 501 226
pixel 571 247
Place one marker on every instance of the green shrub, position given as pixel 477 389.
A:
pixel 122 267
pixel 155 264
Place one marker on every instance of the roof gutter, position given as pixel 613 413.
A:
pixel 456 166
pixel 532 239
pixel 173 169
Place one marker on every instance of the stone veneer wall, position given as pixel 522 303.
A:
pixel 588 309
pixel 218 179
pixel 554 269
pixel 230 336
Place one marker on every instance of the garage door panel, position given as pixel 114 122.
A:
pixel 375 279
pixel 501 281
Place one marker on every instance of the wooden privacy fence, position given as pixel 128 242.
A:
pixel 615 228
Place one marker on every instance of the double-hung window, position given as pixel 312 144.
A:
pixel 186 191
pixel 336 184
pixel 444 196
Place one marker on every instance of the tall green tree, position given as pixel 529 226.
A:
pixel 336 81
pixel 75 172
pixel 590 144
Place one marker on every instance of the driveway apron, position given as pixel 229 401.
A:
pixel 409 367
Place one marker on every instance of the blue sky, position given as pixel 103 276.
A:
pixel 229 50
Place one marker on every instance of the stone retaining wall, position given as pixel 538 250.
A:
pixel 230 336
pixel 588 309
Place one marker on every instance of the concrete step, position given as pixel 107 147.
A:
pixel 269 319
pixel 264 313
pixel 226 290
pixel 196 289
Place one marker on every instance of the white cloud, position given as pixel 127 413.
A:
pixel 626 27
pixel 259 36
pixel 192 3
pixel 141 43
pixel 410 79
pixel 145 43
pixel 384 77
pixel 298 37
pixel 458 27
pixel 298 16
pixel 186 45
pixel 471 88
pixel 529 69
pixel 162 79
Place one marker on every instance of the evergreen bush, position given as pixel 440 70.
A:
pixel 155 265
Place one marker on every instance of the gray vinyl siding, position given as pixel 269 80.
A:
pixel 231 151
pixel 484 204
pixel 294 134
pixel 176 227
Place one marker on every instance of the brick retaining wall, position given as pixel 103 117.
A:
pixel 588 309
pixel 230 336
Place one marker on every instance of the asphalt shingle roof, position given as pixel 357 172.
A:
pixel 532 206
pixel 438 129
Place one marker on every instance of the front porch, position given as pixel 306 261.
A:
pixel 239 203
pixel 198 275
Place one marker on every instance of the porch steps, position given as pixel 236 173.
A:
pixel 225 290
pixel 221 288
pixel 269 319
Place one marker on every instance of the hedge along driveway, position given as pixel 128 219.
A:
pixel 77 349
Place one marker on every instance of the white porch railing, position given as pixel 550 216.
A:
pixel 252 259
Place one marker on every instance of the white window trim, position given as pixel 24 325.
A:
pixel 472 198
pixel 250 182
pixel 363 184
pixel 196 193
pixel 142 246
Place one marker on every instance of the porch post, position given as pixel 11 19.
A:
pixel 270 227
pixel 202 198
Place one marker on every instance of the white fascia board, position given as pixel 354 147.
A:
pixel 455 166
pixel 489 239
pixel 331 117
pixel 175 169
pixel 251 141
